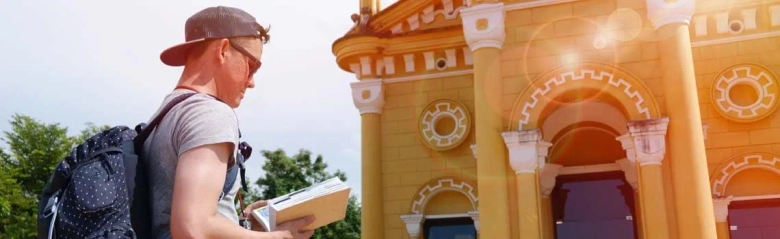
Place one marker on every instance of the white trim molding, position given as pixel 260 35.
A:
pixel 483 25
pixel 474 150
pixel 761 197
pixel 436 186
pixel 593 168
pixel 527 150
pixel 368 96
pixel 534 4
pixel 727 170
pixel 427 76
pixel 663 12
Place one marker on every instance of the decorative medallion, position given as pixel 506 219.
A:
pixel 444 124
pixel 745 93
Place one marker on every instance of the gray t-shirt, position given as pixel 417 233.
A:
pixel 196 121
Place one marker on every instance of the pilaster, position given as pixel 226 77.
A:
pixel 527 155
pixel 547 183
pixel 721 211
pixel 414 224
pixel 475 217
pixel 368 96
pixel 629 170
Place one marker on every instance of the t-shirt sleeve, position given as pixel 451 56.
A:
pixel 204 122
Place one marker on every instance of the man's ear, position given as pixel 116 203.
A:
pixel 222 48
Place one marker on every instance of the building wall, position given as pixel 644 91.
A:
pixel 728 138
pixel 541 39
pixel 408 164
pixel 545 38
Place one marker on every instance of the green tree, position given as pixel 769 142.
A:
pixel 34 150
pixel 284 174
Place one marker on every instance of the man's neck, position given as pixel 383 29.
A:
pixel 197 80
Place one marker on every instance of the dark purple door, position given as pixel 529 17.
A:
pixel 593 206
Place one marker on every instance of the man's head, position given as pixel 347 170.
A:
pixel 222 52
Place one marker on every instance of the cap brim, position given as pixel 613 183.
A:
pixel 177 55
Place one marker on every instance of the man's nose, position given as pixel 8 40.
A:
pixel 251 83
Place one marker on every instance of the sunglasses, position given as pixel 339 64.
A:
pixel 254 63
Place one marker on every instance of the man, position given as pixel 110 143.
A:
pixel 195 143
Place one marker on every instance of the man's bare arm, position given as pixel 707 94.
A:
pixel 200 175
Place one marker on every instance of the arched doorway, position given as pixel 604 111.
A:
pixel 592 198
pixel 583 110
pixel 747 188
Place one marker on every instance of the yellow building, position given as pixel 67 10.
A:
pixel 567 118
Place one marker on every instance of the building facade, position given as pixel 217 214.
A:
pixel 567 118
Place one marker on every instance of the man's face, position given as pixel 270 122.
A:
pixel 240 61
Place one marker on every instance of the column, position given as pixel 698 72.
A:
pixel 483 27
pixel 629 170
pixel 413 225
pixel 368 96
pixel 527 154
pixel 721 211
pixel 547 184
pixel 648 138
pixel 693 198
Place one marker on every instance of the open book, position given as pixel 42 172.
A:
pixel 326 200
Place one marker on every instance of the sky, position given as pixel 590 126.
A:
pixel 78 61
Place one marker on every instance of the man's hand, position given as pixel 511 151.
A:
pixel 294 227
pixel 248 213
pixel 290 228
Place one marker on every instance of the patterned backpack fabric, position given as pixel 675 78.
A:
pixel 100 189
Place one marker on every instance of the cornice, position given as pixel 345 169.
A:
pixel 348 48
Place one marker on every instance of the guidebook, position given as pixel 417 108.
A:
pixel 326 200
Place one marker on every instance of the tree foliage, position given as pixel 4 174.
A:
pixel 285 174
pixel 34 149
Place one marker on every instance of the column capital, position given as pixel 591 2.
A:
pixel 413 224
pixel 483 25
pixel 547 178
pixel 649 138
pixel 368 96
pixel 475 216
pixel 527 151
pixel 721 207
pixel 664 12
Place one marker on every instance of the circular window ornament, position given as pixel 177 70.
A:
pixel 444 124
pixel 745 93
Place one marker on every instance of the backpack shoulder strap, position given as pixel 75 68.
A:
pixel 143 133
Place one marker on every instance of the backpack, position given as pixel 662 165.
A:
pixel 100 190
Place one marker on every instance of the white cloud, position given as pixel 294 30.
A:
pixel 77 61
